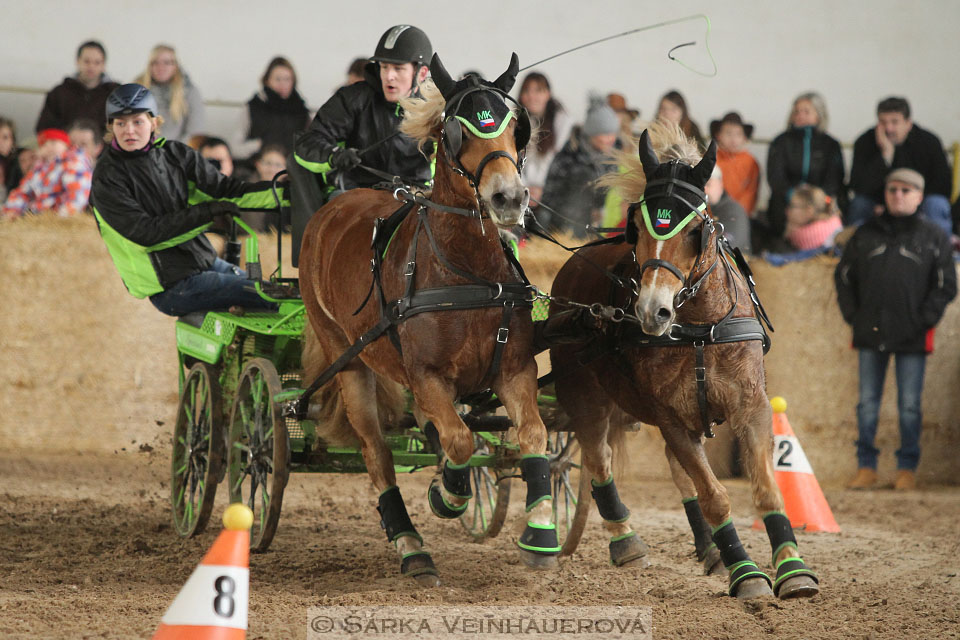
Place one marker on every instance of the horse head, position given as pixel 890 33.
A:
pixel 672 232
pixel 482 139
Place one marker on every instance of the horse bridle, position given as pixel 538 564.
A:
pixel 674 187
pixel 451 136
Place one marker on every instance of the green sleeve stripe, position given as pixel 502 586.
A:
pixel 183 237
pixel 253 200
pixel 315 167
pixel 131 260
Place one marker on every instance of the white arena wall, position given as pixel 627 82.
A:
pixel 854 52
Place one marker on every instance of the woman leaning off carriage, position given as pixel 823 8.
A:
pixel 153 199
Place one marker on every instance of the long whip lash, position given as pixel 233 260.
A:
pixel 696 16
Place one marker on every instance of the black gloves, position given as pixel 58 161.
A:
pixel 344 158
pixel 216 208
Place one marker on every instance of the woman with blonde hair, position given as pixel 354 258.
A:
pixel 177 97
pixel 803 154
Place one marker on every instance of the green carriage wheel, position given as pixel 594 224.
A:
pixel 569 510
pixel 487 510
pixel 258 455
pixel 197 450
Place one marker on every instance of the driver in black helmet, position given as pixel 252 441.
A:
pixel 153 199
pixel 357 125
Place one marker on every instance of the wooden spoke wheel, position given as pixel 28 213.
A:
pixel 197 450
pixel 487 510
pixel 571 505
pixel 258 455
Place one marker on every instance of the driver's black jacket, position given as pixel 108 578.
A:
pixel 359 116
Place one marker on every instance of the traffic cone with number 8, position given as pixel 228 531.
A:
pixel 213 603
pixel 805 503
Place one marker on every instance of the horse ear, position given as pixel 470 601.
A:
pixel 440 77
pixel 647 155
pixel 704 168
pixel 509 77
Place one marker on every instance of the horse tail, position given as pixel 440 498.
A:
pixel 326 405
pixel 620 423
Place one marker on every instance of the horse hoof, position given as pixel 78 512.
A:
pixel 419 566
pixel 753 588
pixel 539 561
pixel 713 563
pixel 798 587
pixel 428 580
pixel 630 550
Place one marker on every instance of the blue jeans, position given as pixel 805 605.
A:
pixel 935 207
pixel 220 287
pixel 873 368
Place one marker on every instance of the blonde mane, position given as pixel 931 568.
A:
pixel 669 143
pixel 421 114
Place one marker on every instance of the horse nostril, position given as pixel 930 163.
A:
pixel 663 315
pixel 499 200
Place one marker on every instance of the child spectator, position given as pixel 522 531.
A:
pixel 10 172
pixel 60 181
pixel 217 151
pixel 275 114
pixel 741 172
pixel 727 211
pixel 673 108
pixel 270 161
pixel 813 219
pixel 83 95
pixel 84 134
pixel 178 99
pixel 356 70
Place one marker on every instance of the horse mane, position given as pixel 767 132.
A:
pixel 669 142
pixel 421 114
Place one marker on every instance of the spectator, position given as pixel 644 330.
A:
pixel 894 143
pixel 82 96
pixel 154 199
pixel 628 118
pixel 569 189
pixel 894 281
pixel 366 116
pixel 60 182
pixel 741 172
pixel 275 114
pixel 10 172
pixel 813 219
pixel 179 100
pixel 85 134
pixel 355 70
pixel 270 161
pixel 217 151
pixel 553 128
pixel 803 154
pixel 726 210
pixel 673 108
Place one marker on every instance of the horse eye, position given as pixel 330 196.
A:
pixel 694 235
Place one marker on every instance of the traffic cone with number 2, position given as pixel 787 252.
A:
pixel 213 603
pixel 805 503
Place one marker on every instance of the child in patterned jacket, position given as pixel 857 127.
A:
pixel 59 182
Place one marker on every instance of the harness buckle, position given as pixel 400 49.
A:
pixel 502 334
pixel 499 292
pixel 700 372
pixel 411 267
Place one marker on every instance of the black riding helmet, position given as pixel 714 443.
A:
pixel 404 43
pixel 128 99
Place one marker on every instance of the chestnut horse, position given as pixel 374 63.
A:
pixel 689 357
pixel 446 249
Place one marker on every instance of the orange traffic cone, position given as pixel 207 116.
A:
pixel 805 503
pixel 213 603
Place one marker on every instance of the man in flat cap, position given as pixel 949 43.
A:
pixel 894 281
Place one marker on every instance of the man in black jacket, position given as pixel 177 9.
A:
pixel 894 143
pixel 82 96
pixel 359 124
pixel 894 281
